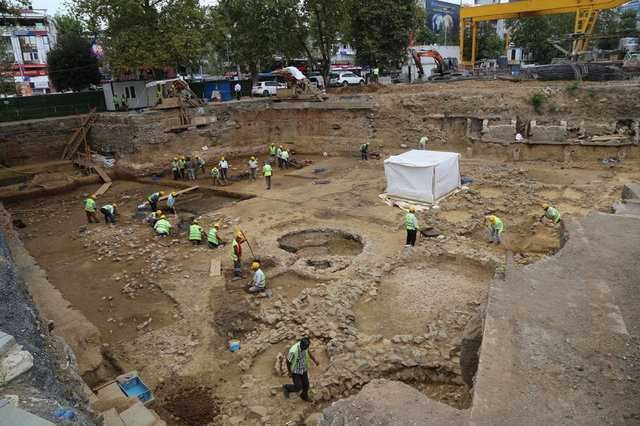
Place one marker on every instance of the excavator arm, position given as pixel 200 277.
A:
pixel 437 57
pixel 586 16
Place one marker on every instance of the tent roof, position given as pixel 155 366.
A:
pixel 420 158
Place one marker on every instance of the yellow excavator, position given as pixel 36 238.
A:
pixel 586 16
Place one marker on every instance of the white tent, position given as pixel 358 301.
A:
pixel 423 176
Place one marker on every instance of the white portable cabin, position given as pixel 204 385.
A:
pixel 424 176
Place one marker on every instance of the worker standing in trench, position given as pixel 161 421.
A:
pixel 90 209
pixel 298 360
pixel 175 168
pixel 364 151
pixel 422 144
pixel 411 225
pixel 236 256
pixel 253 168
pixel 267 171
pixel 223 165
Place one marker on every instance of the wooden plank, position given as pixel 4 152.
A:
pixel 105 186
pixel 182 191
pixel 214 268
pixel 105 177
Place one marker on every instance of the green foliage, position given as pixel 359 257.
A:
pixel 255 30
pixel 141 34
pixel 327 20
pixel 537 99
pixel 532 33
pixel 381 30
pixel 629 22
pixel 572 87
pixel 72 65
pixel 11 6
pixel 7 82
pixel 490 45
pixel 67 24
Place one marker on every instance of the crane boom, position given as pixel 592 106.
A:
pixel 586 16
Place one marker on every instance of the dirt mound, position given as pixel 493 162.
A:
pixel 369 88
pixel 188 403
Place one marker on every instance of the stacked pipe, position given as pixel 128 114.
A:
pixel 576 71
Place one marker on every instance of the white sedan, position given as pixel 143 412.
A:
pixel 267 88
pixel 345 79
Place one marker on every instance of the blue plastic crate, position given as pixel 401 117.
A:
pixel 135 387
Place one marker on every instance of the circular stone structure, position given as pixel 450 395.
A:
pixel 321 250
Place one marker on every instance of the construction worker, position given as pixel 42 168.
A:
pixel 267 171
pixel 298 360
pixel 163 227
pixel 174 168
pixel 212 236
pixel 496 228
pixel 200 165
pixel 116 102
pixel 182 164
pixel 215 176
pixel 195 233
pixel 109 211
pixel 364 151
pixel 191 168
pixel 422 144
pixel 153 200
pixel 550 213
pixel 238 90
pixel 258 283
pixel 284 155
pixel 236 255
pixel 152 218
pixel 171 201
pixel 224 169
pixel 90 209
pixel 279 156
pixel 411 225
pixel 272 151
pixel 253 168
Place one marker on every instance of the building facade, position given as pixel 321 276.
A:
pixel 28 37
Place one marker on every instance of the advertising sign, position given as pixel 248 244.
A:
pixel 443 17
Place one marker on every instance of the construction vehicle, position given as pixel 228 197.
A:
pixel 300 87
pixel 443 69
pixel 586 16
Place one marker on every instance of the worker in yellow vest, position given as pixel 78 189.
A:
pixel 272 151
pixel 551 213
pixel 236 256
pixel 90 209
pixel 411 225
pixel 496 228
pixel 195 233
pixel 212 236
pixel 267 171
pixel 163 227
pixel 299 360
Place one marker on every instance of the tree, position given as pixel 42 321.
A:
pixel 327 20
pixel 7 82
pixel 10 7
pixel 67 24
pixel 381 29
pixel 72 65
pixel 629 22
pixel 533 34
pixel 146 34
pixel 490 45
pixel 608 24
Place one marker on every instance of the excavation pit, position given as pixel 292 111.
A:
pixel 289 284
pixel 439 295
pixel 321 242
pixel 185 402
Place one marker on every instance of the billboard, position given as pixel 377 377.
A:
pixel 443 18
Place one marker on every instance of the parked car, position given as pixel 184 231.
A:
pixel 345 79
pixel 317 81
pixel 266 88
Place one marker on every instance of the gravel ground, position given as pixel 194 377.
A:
pixel 45 387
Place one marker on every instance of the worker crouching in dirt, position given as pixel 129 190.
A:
pixel 550 214
pixel 212 236
pixel 258 283
pixel 153 217
pixel 195 233
pixel 496 228
pixel 90 209
pixel 298 360
pixel 411 225
pixel 109 212
pixel 163 227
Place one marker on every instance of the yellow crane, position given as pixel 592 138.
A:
pixel 586 16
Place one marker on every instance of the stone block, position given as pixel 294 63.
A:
pixel 111 418
pixel 7 342
pixel 631 191
pixel 14 363
pixel 10 415
pixel 139 415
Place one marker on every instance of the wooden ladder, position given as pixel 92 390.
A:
pixel 79 136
